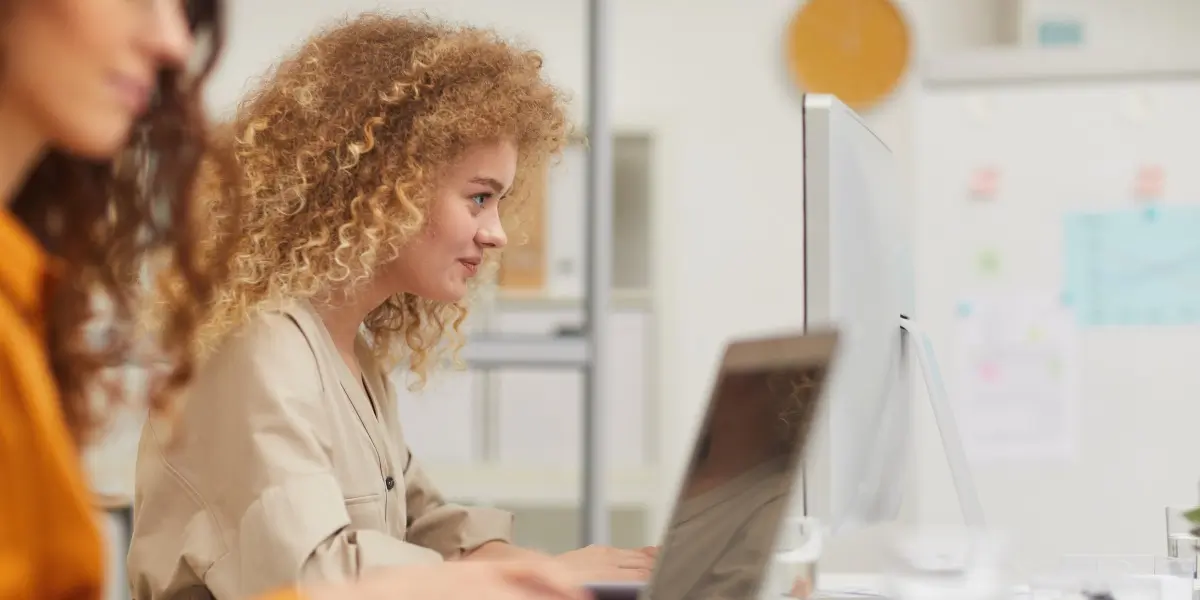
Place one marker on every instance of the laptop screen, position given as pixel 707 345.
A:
pixel 745 464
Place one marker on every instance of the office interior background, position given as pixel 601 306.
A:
pixel 1012 117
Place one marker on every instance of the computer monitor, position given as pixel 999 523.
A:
pixel 858 277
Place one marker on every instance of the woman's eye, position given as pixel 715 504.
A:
pixel 480 199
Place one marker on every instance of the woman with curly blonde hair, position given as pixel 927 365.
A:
pixel 377 161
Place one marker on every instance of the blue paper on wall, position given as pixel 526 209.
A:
pixel 1134 267
pixel 1060 33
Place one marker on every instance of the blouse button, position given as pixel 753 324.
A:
pixel 390 482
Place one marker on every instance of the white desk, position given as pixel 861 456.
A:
pixel 858 586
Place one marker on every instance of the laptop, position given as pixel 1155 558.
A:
pixel 745 467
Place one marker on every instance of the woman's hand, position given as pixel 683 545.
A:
pixel 593 564
pixel 606 564
pixel 482 580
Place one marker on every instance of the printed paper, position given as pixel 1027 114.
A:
pixel 1017 377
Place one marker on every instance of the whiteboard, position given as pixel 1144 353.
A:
pixel 1058 150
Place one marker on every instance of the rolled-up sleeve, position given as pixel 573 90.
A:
pixel 451 529
pixel 299 532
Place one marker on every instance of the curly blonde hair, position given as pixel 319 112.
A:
pixel 341 146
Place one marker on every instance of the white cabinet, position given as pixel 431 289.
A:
pixel 515 435
pixel 566 212
pixel 567 217
pixel 538 418
pixel 443 423
pixel 539 412
pixel 630 412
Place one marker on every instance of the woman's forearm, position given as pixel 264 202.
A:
pixel 503 551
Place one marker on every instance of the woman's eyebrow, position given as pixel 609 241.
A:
pixel 489 182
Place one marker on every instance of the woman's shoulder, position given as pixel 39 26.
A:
pixel 274 345
pixel 265 366
pixel 287 329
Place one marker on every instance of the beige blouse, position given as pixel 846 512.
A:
pixel 283 467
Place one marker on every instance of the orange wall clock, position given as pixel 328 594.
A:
pixel 857 50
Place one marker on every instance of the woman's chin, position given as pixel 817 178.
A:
pixel 450 293
pixel 99 141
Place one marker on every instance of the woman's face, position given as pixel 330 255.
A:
pixel 464 220
pixel 79 72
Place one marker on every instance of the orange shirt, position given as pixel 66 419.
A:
pixel 49 540
pixel 50 546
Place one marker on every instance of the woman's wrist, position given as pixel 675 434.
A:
pixel 499 550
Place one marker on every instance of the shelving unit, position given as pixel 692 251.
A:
pixel 586 351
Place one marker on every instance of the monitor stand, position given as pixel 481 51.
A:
pixel 914 338
pixel 918 344
pixel 943 415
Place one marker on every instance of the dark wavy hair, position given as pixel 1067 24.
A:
pixel 106 221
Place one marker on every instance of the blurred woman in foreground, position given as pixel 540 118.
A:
pixel 100 133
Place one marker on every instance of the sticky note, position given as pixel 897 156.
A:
pixel 989 262
pixel 989 372
pixel 1054 367
pixel 1149 182
pixel 984 183
pixel 964 309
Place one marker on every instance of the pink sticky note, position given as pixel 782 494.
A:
pixel 984 182
pixel 1149 182
pixel 989 372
